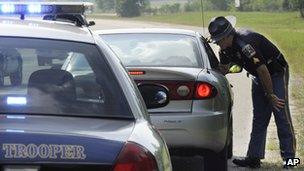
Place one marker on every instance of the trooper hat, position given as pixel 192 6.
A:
pixel 219 27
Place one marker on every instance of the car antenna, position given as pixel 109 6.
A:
pixel 203 16
pixel 203 20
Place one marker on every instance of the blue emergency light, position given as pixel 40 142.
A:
pixel 7 8
pixel 24 8
pixel 34 8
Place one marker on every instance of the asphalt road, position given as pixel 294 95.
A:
pixel 242 111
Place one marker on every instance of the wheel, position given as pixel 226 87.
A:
pixel 16 77
pixel 230 149
pixel 216 161
pixel 230 145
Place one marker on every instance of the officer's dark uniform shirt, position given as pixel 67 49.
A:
pixel 251 50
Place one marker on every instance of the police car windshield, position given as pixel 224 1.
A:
pixel 154 49
pixel 40 76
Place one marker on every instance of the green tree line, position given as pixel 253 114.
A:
pixel 124 8
pixel 301 4
pixel 131 8
pixel 269 5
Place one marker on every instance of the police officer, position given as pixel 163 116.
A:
pixel 270 75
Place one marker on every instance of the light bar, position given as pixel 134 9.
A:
pixel 45 7
pixel 8 8
pixel 34 8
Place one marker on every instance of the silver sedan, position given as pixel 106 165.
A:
pixel 198 117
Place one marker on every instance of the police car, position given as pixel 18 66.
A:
pixel 69 116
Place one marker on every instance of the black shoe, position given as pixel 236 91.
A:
pixel 287 167
pixel 247 162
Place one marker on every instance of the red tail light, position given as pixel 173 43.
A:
pixel 204 90
pixel 134 157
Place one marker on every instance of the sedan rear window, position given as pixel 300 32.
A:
pixel 155 49
pixel 39 76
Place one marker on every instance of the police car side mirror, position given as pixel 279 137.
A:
pixel 91 23
pixel 235 69
pixel 155 96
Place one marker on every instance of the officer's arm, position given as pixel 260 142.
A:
pixel 224 64
pixel 254 54
pixel 265 78
pixel 223 68
pixel 266 82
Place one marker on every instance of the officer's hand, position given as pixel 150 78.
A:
pixel 224 69
pixel 276 102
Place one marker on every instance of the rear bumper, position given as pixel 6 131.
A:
pixel 189 130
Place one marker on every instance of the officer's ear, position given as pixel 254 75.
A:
pixel 230 39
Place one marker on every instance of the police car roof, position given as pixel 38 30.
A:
pixel 44 29
pixel 149 30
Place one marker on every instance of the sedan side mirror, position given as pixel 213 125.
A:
pixel 155 96
pixel 235 69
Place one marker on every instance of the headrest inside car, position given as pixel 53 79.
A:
pixel 51 83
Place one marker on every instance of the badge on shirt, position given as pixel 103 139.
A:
pixel 248 50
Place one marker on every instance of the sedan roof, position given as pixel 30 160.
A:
pixel 148 30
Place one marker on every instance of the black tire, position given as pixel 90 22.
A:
pixel 230 145
pixel 216 161
pixel 230 149
pixel 16 77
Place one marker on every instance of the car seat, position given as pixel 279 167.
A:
pixel 51 87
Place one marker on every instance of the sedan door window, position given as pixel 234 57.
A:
pixel 214 62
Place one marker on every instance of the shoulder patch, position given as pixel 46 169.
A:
pixel 248 50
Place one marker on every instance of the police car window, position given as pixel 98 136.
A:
pixel 57 77
pixel 155 49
